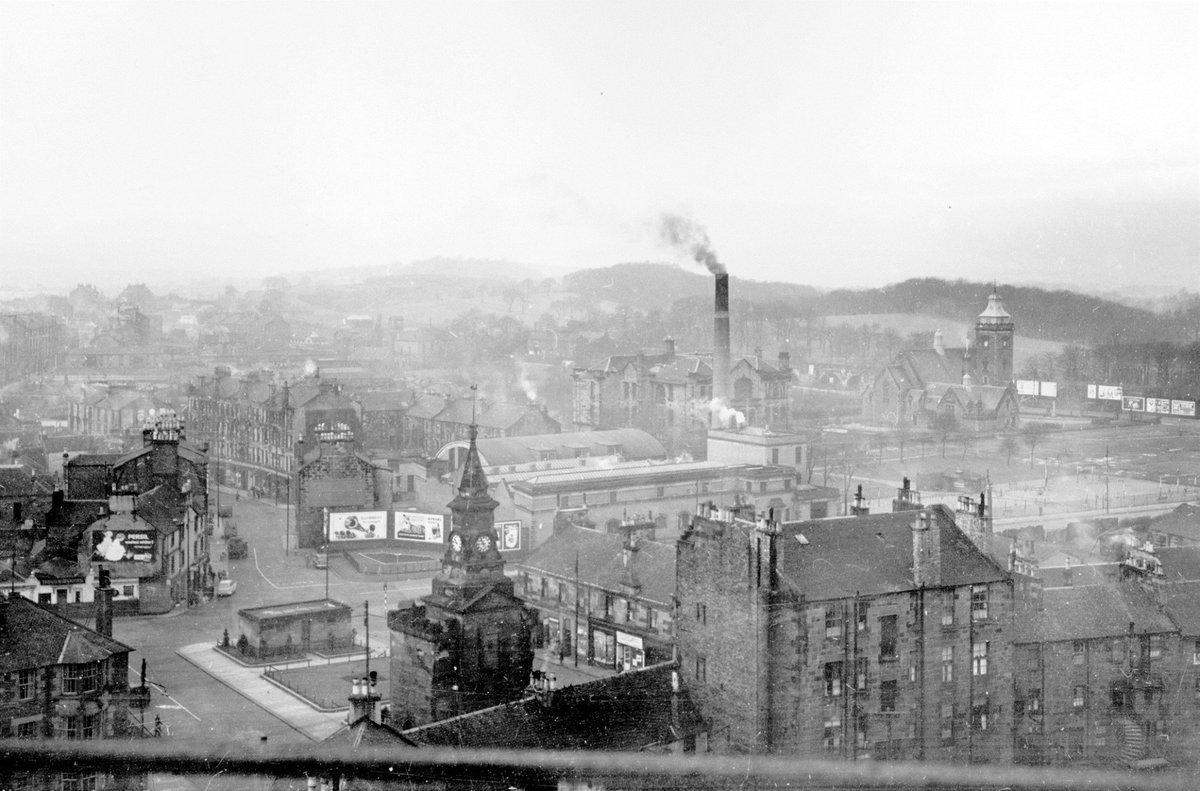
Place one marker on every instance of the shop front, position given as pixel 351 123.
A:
pixel 616 649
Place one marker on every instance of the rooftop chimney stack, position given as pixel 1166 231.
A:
pixel 721 362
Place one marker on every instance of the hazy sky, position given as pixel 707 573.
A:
pixel 825 143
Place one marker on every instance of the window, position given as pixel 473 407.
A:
pixel 701 669
pixel 887 696
pixel 1077 651
pixel 979 658
pixel 661 492
pixel 775 456
pixel 1198 689
pixel 77 679
pixel 1196 653
pixel 887 637
pixel 545 587
pixel 947 663
pixel 1079 697
pixel 1035 700
pixel 702 613
pixel 26 684
pixel 1118 651
pixel 833 731
pixel 799 454
pixel 860 616
pixel 29 730
pixel 1155 646
pixel 860 674
pixel 833 623
pixel 78 781
pixel 833 679
pixel 608 606
pixel 948 723
pixel 651 618
pixel 948 608
pixel 562 592
pixel 612 498
pixel 979 602
pixel 979 717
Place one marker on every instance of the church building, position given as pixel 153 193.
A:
pixel 969 387
pixel 468 645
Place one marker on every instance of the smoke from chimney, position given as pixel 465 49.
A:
pixel 682 233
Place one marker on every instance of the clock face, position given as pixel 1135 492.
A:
pixel 456 542
pixel 483 543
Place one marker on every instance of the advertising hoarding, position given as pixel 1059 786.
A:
pixel 1161 406
pixel 1027 387
pixel 1133 404
pixel 1050 389
pixel 1109 392
pixel 419 527
pixel 356 526
pixel 1183 408
pixel 1091 392
pixel 510 535
pixel 117 545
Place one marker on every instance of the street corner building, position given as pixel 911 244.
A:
pixel 873 636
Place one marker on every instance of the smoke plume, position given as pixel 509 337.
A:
pixel 683 234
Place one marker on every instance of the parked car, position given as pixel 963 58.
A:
pixel 237 548
pixel 226 587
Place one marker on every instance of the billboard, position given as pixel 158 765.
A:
pixel 1108 392
pixel 1027 387
pixel 510 535
pixel 1050 389
pixel 1161 406
pixel 356 526
pixel 1133 404
pixel 419 527
pixel 117 545
pixel 1183 408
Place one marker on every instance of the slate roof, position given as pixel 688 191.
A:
pixel 925 366
pixel 1180 564
pixel 601 564
pixel 426 406
pixel 631 443
pixel 1090 574
pixel 34 637
pixel 389 401
pixel 1183 521
pixel 367 733
pixel 17 481
pixel 1092 612
pixel 626 712
pixel 872 555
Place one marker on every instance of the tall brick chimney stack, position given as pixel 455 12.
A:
pixel 926 549
pixel 721 362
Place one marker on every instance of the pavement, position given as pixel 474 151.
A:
pixel 250 683
pixel 318 725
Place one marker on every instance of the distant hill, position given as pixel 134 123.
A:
pixel 646 285
pixel 1056 315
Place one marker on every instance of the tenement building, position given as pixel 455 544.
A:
pixel 883 636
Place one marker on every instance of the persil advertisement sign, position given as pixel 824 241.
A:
pixel 114 546
pixel 510 535
pixel 1133 404
pixel 357 526
pixel 1183 408
pixel 1109 392
pixel 1161 406
pixel 419 527
pixel 1027 387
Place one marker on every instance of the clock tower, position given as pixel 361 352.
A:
pixel 469 644
pixel 993 352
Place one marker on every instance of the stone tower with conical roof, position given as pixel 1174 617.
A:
pixel 993 350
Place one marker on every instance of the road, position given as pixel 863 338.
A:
pixel 190 703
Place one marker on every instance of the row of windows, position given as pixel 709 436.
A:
pixel 76 680
pixel 833 670
pixel 979 612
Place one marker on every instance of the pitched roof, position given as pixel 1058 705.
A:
pixel 1180 564
pixel 872 555
pixel 1184 521
pixel 926 366
pixel 601 563
pixel 1092 612
pixel 366 732
pixel 35 637
pixel 629 711
pixel 631 443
